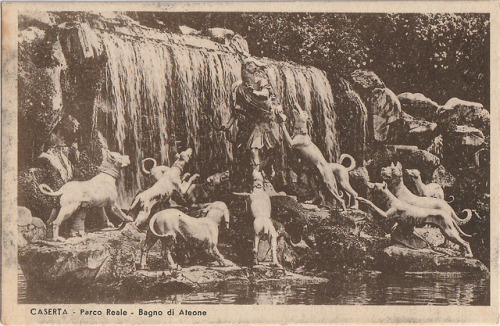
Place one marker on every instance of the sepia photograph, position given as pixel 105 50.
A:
pixel 166 161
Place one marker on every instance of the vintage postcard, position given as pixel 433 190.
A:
pixel 250 162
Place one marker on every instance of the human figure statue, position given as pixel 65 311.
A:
pixel 257 112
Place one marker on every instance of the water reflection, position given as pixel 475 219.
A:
pixel 372 289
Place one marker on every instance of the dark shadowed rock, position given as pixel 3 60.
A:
pixel 418 105
pixel 468 136
pixel 364 80
pixel 41 63
pixel 352 121
pixel 408 130
pixel 411 157
pixel 384 107
pixel 443 177
pixel 460 112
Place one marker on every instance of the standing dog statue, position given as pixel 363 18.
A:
pixel 415 216
pixel 394 176
pixel 330 172
pixel 260 206
pixel 426 190
pixel 100 191
pixel 169 223
pixel 165 186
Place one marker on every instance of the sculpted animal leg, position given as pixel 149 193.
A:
pixel 256 241
pixel 219 257
pixel 118 213
pixel 352 193
pixel 143 214
pixel 342 176
pixel 53 215
pixel 184 186
pixel 274 248
pixel 168 242
pixel 331 184
pixel 104 217
pixel 146 246
pixel 65 213
pixel 452 234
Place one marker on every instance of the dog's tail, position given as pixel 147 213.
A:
pixel 45 189
pixel 461 221
pixel 460 230
pixel 152 222
pixel 144 167
pixel 452 199
pixel 351 159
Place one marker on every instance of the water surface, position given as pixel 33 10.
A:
pixel 371 289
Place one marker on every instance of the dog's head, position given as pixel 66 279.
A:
pixel 392 173
pixel 258 179
pixel 218 178
pixel 301 117
pixel 379 190
pixel 414 174
pixel 184 156
pixel 114 158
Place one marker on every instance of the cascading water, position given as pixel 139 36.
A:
pixel 163 92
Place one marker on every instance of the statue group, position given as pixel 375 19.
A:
pixel 261 130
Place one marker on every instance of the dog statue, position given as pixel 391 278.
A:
pixel 394 176
pixel 100 191
pixel 416 216
pixel 169 223
pixel 164 188
pixel 330 172
pixel 426 190
pixel 260 206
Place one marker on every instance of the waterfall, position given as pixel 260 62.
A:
pixel 163 92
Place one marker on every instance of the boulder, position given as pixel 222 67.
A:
pixel 104 263
pixel 460 145
pixel 228 37
pixel 359 180
pixel 384 107
pixel 411 157
pixel 364 80
pixel 398 259
pixel 468 136
pixel 186 30
pixel 38 18
pixel 408 130
pixel 30 228
pixel 443 177
pixel 24 217
pixel 418 105
pixel 460 112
